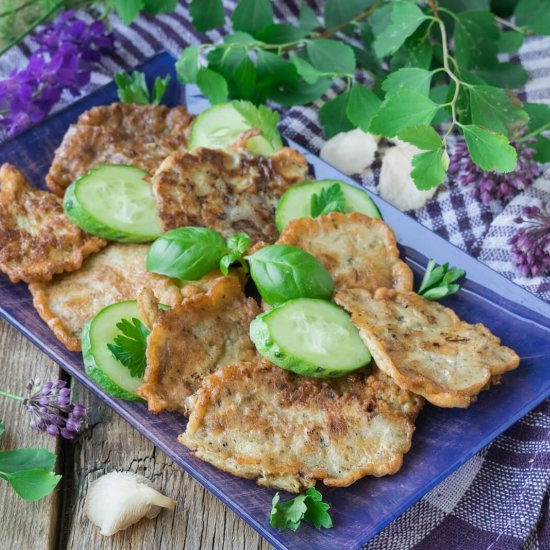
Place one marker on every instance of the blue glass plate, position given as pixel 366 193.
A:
pixel 444 438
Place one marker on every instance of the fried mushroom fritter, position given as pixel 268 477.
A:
pixel 425 347
pixel 226 192
pixel 357 250
pixel 121 133
pixel 258 421
pixel 115 274
pixel 194 339
pixel 37 240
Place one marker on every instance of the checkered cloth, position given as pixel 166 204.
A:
pixel 500 499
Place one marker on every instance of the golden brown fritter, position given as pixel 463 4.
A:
pixel 121 133
pixel 425 347
pixel 261 422
pixel 194 339
pixel 37 240
pixel 115 274
pixel 226 192
pixel 357 250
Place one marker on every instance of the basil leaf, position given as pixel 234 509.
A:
pixel 212 85
pixel 237 246
pixel 283 272
pixel 206 14
pixel 489 150
pixel 186 253
pixel 252 15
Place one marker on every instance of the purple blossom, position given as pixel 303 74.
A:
pixel 68 49
pixel 491 185
pixel 49 405
pixel 531 244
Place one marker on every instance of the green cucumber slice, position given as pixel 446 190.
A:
pixel 221 125
pixel 296 202
pixel 310 337
pixel 115 202
pixel 99 363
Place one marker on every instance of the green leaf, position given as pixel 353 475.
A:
pixel 465 5
pixel 272 70
pixel 401 110
pixel 159 88
pixel 424 137
pixel 132 88
pixel 207 14
pixel 252 15
pixel 417 51
pixel 237 246
pixel 301 92
pixel 128 10
pixel 429 169
pixel 331 56
pixel 154 7
pixel 413 79
pixel 489 150
pixel 26 459
pixel 280 33
pixel 2 427
pixel 476 39
pixel 333 115
pixel 329 199
pixel 244 80
pixel 261 118
pixel 438 281
pixel 510 41
pixel 440 95
pixel 307 19
pixel 495 109
pixel 187 66
pixel 212 85
pixel 504 75
pixel 405 18
pixel 338 11
pixel 362 106
pixel 542 149
pixel 32 484
pixel 308 506
pixel 539 117
pixel 226 262
pixel 130 346
pixel 305 69
pixel 533 14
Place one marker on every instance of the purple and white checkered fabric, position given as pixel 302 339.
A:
pixel 500 499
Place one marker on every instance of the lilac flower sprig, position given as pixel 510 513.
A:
pixel 491 185
pixel 531 244
pixel 68 50
pixel 50 409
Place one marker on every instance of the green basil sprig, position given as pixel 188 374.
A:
pixel 186 253
pixel 237 247
pixel 282 272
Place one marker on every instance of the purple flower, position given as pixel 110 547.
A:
pixel 68 49
pixel 491 185
pixel 49 405
pixel 531 244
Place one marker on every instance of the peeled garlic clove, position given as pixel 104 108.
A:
pixel 396 185
pixel 119 499
pixel 350 152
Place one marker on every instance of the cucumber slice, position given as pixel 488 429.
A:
pixel 221 125
pixel 99 363
pixel 310 337
pixel 296 202
pixel 114 201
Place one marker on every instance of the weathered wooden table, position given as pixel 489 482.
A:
pixel 199 521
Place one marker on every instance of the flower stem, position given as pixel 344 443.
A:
pixel 11 395
pixel 18 8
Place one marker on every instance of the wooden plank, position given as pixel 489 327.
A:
pixel 199 520
pixel 24 524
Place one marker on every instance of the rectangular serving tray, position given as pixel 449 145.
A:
pixel 444 438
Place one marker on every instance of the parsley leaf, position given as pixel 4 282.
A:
pixel 130 346
pixel 237 247
pixel 132 88
pixel 330 199
pixel 308 506
pixel 262 118
pixel 440 281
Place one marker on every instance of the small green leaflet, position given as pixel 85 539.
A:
pixel 237 247
pixel 128 10
pixel 213 85
pixel 489 150
pixel 132 88
pixel 305 69
pixel 413 79
pixel 308 506
pixel 252 16
pixel 440 281
pixel 129 347
pixel 262 118
pixel 362 106
pixel 424 137
pixel 533 14
pixel 476 39
pixel 206 14
pixel 29 472
pixel 330 199
pixel 333 115
pixel 331 56
pixel 187 66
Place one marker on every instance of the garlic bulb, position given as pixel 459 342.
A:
pixel 396 184
pixel 350 152
pixel 119 499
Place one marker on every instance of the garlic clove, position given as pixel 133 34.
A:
pixel 350 152
pixel 396 184
pixel 119 499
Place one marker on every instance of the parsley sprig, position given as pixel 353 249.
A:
pixel 305 507
pixel 329 199
pixel 440 281
pixel 130 346
pixel 132 88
